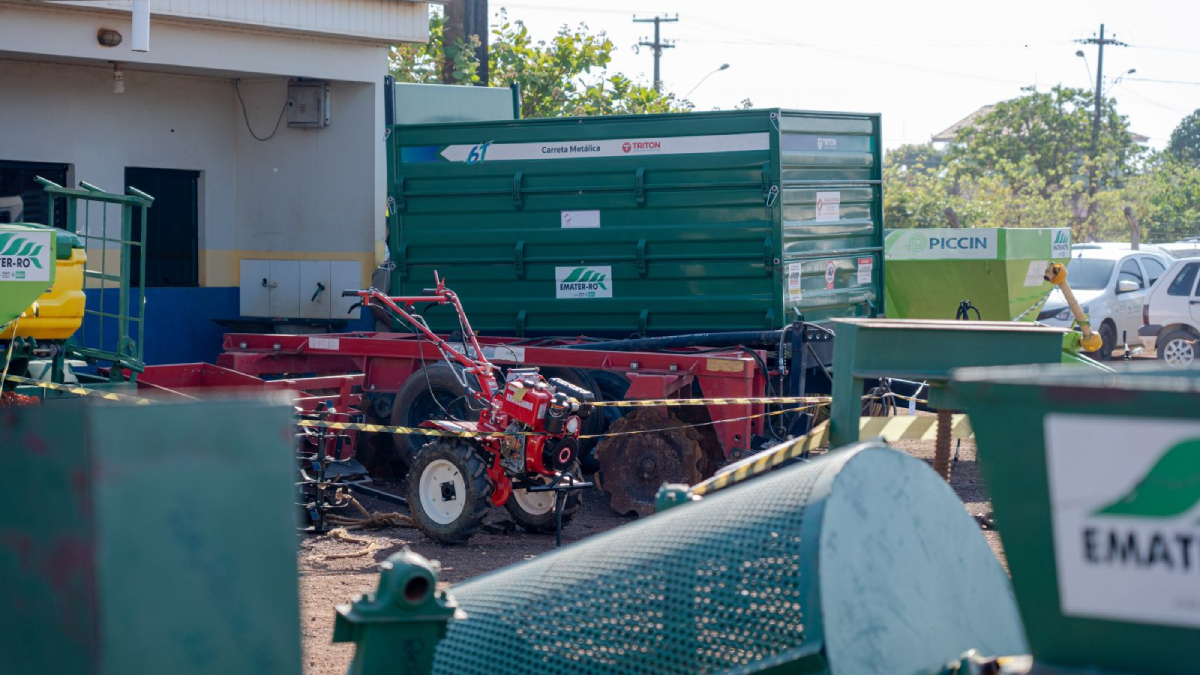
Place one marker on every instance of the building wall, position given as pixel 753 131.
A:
pixel 305 194
pixel 394 20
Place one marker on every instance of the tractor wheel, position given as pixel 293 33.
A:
pixel 449 492
pixel 432 392
pixel 534 511
pixel 633 467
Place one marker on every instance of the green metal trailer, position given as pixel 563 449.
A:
pixel 650 224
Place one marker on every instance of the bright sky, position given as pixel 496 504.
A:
pixel 923 64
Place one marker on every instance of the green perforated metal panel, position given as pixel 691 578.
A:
pixel 863 561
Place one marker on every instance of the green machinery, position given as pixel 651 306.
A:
pixel 27 255
pixel 1095 482
pixel 929 272
pixel 863 561
pixel 651 224
pixel 99 224
pixel 123 558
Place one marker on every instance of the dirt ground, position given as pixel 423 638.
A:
pixel 327 580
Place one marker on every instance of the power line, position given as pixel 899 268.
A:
pixel 1100 42
pixel 1146 79
pixel 658 44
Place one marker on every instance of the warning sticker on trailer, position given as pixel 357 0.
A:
pixel 583 281
pixel 865 265
pixel 1036 274
pixel 830 274
pixel 829 206
pixel 579 219
pixel 323 343
pixel 793 282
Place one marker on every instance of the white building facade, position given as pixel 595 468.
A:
pixel 210 122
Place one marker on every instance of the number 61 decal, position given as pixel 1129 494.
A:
pixel 478 153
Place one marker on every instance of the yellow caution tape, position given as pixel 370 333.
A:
pixel 912 428
pixel 765 400
pixel 888 428
pixel 385 429
pixel 80 391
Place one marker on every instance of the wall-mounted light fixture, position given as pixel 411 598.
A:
pixel 108 37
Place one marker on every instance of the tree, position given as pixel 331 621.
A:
pixel 1185 140
pixel 565 76
pixel 1047 136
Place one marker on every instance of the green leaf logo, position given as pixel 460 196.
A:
pixel 1170 488
pixel 12 245
pixel 584 274
pixel 1060 237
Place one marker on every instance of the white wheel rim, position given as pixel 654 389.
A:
pixel 439 480
pixel 534 503
pixel 1179 353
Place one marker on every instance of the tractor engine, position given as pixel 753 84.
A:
pixel 533 404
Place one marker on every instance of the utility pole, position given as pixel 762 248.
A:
pixel 658 45
pixel 1099 42
pixel 465 18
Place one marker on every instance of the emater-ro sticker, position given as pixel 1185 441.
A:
pixel 1125 510
pixel 489 151
pixel 25 256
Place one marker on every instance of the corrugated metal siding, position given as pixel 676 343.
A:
pixel 828 155
pixel 688 242
pixel 386 20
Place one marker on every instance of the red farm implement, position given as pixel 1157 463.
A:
pixel 407 380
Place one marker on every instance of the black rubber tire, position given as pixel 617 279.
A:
pixel 478 488
pixel 414 404
pixel 544 523
pixel 1108 334
pixel 1161 347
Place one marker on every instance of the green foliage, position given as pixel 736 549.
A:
pixel 1026 165
pixel 1185 140
pixel 565 76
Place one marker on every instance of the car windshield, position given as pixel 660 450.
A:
pixel 1089 274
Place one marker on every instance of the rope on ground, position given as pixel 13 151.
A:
pixel 368 521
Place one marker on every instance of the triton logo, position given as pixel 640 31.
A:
pixel 826 143
pixel 626 147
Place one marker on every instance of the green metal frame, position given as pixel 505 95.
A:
pixel 126 352
pixel 924 351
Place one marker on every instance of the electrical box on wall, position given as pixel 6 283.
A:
pixel 308 105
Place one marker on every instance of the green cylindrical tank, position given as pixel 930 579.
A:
pixel 931 271
pixel 27 254
pixel 653 224
pixel 860 562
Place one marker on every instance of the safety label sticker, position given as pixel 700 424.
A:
pixel 793 282
pixel 583 281
pixel 1061 246
pixel 323 343
pixel 1125 511
pixel 830 274
pixel 1036 274
pixel 865 265
pixel 579 219
pixel 829 206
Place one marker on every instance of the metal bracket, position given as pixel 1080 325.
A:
pixel 516 193
pixel 643 321
pixel 771 195
pixel 519 260
pixel 642 266
pixel 399 200
pixel 639 186
pixel 768 255
pixel 402 262
pixel 520 328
